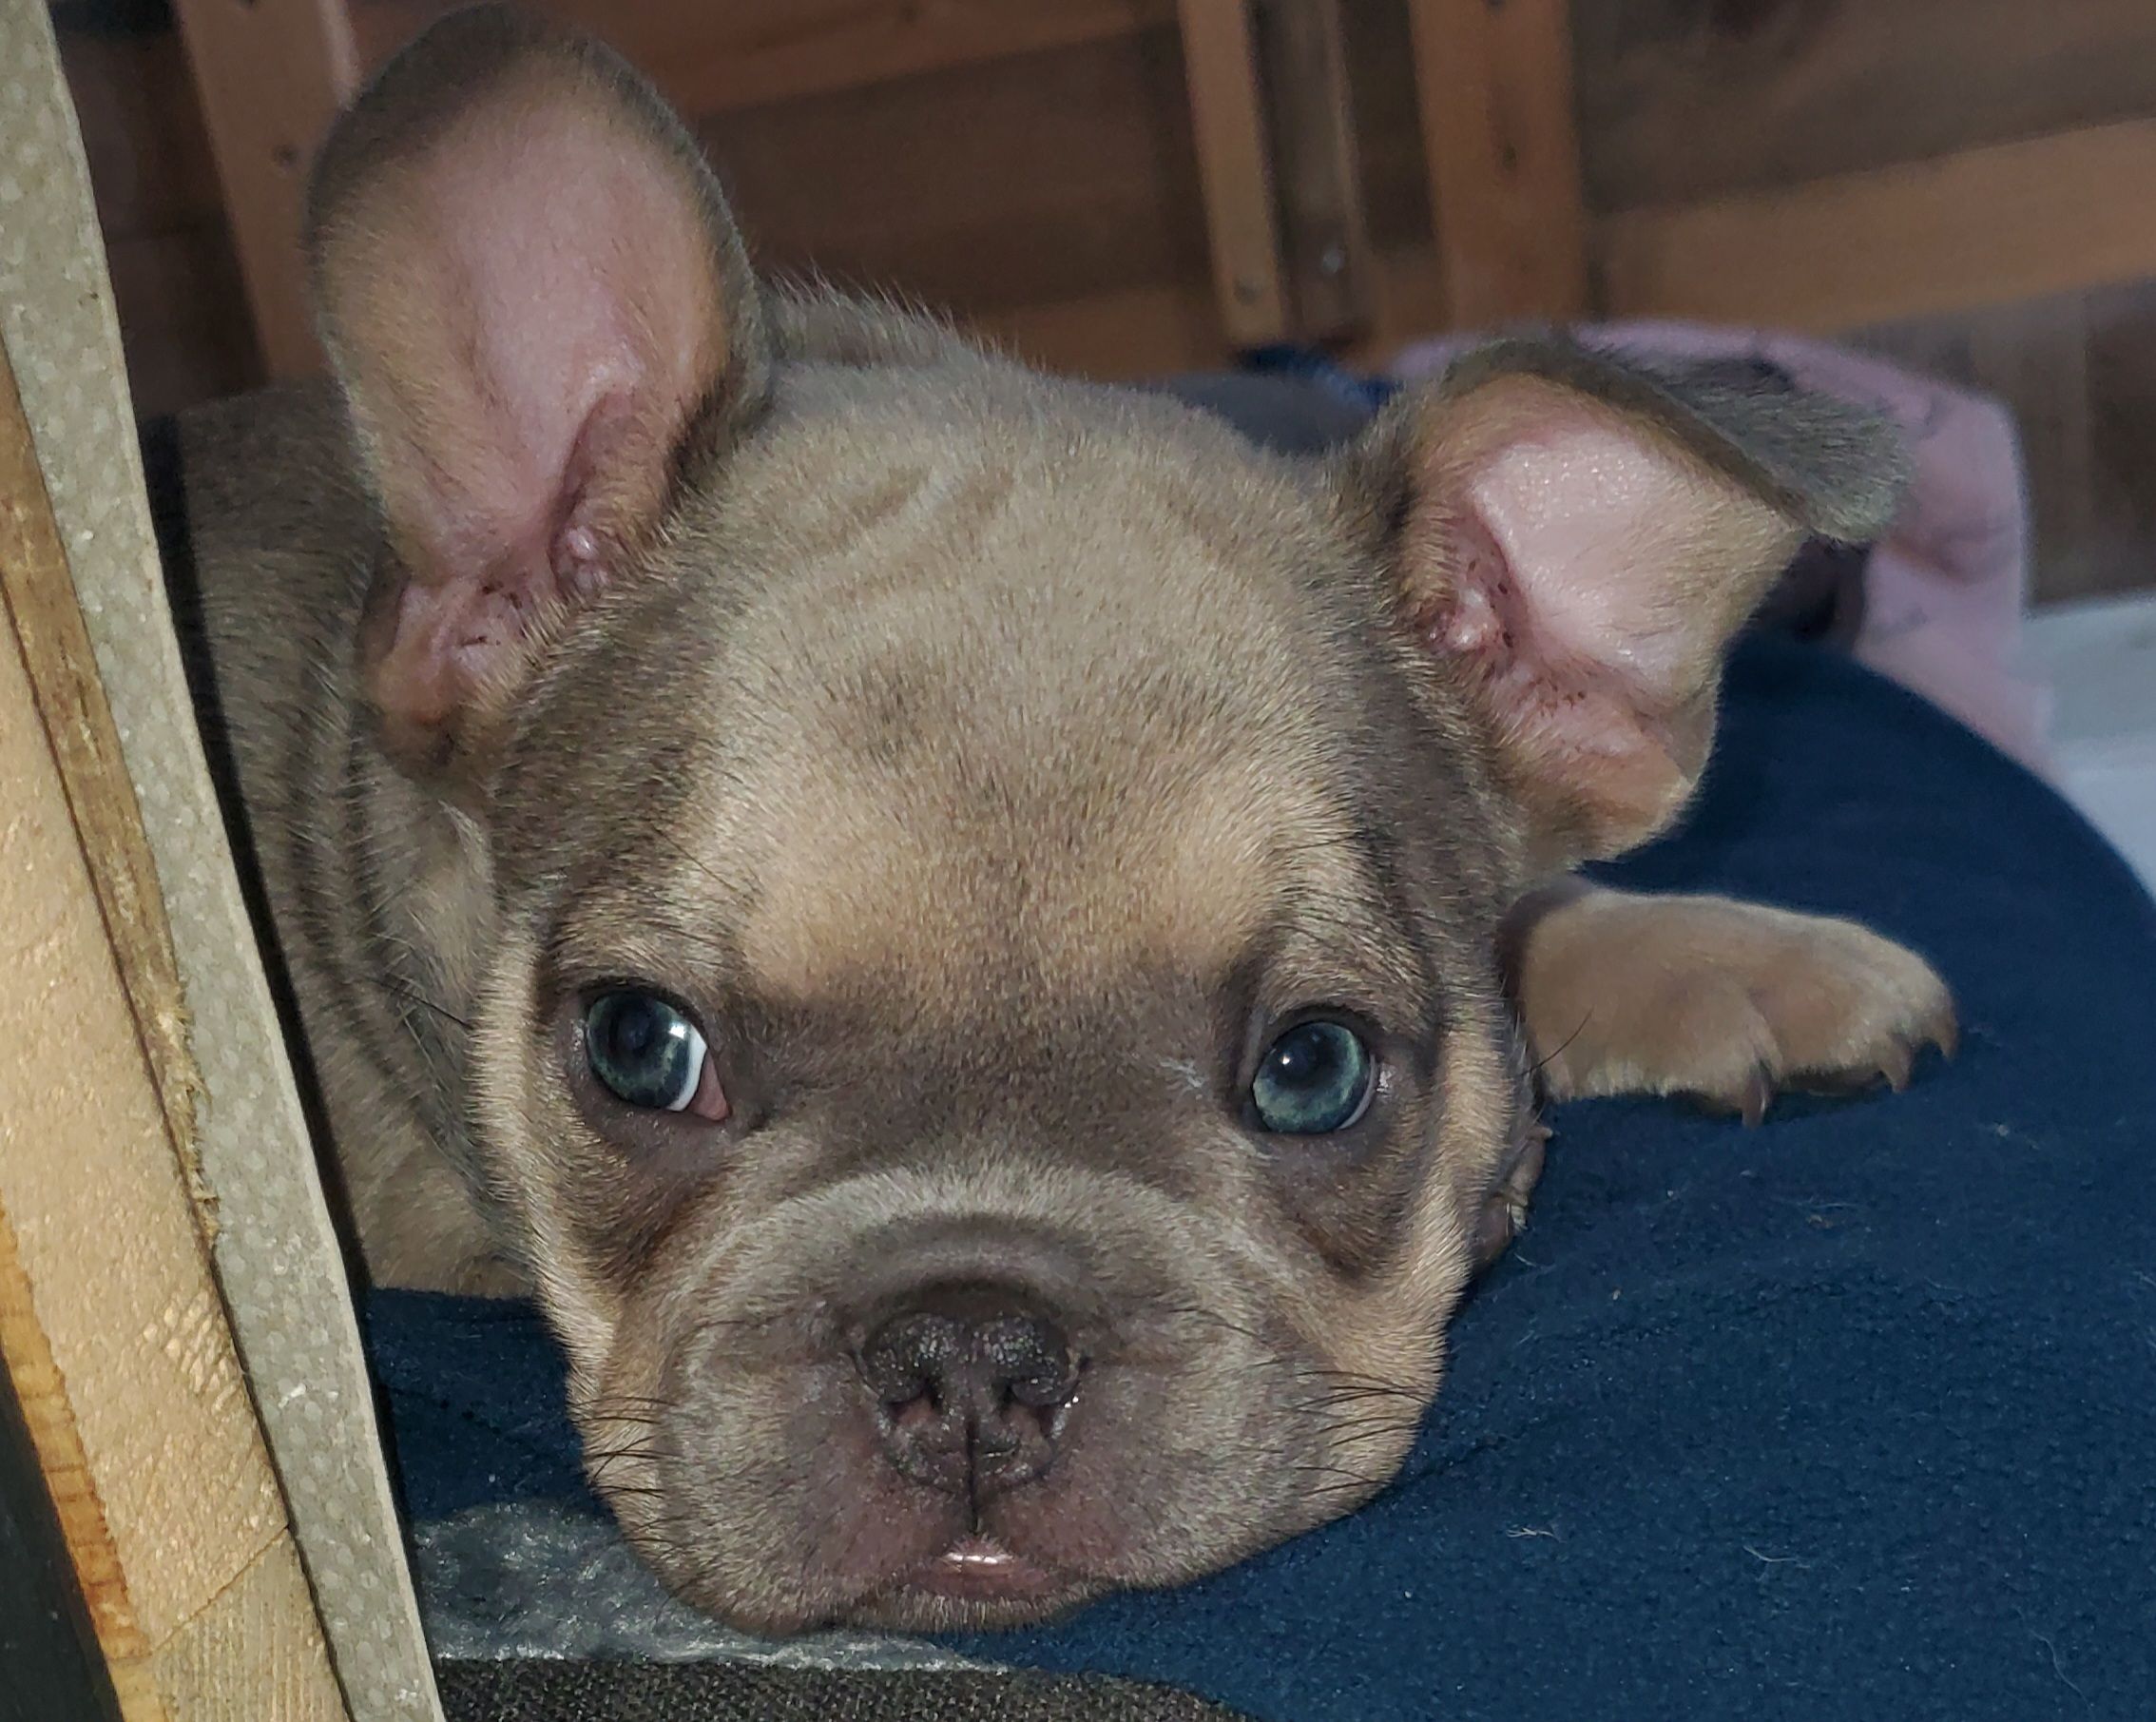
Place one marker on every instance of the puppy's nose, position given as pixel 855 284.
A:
pixel 971 1384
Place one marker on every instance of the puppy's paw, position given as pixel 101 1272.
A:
pixel 1727 1001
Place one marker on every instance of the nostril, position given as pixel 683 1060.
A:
pixel 912 1356
pixel 1030 1361
pixel 966 1352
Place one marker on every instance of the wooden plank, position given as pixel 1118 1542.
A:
pixel 2120 364
pixel 1324 233
pixel 1042 191
pixel 149 156
pixel 1227 123
pixel 37 594
pixel 47 1645
pixel 98 1573
pixel 1681 100
pixel 112 1329
pixel 714 59
pixel 2032 358
pixel 2078 372
pixel 184 323
pixel 1032 181
pixel 1152 331
pixel 1987 226
pixel 270 79
pixel 253 1652
pixel 1494 83
pixel 1388 124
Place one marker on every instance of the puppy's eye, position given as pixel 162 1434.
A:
pixel 1316 1078
pixel 649 1055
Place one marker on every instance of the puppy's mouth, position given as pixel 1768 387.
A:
pixel 978 1569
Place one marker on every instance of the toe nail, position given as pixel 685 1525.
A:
pixel 1758 1094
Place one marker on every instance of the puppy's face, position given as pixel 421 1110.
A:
pixel 1092 1063
pixel 991 1033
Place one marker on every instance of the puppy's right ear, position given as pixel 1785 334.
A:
pixel 1573 540
pixel 541 317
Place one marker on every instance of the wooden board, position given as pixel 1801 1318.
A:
pixel 1045 187
pixel 38 595
pixel 1986 226
pixel 112 1330
pixel 1228 127
pixel 270 78
pixel 184 322
pixel 149 153
pixel 1317 166
pixel 2078 371
pixel 47 1642
pixel 1681 100
pixel 1494 80
pixel 1039 180
pixel 747 53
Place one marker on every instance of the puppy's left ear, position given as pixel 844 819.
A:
pixel 1574 541
pixel 545 327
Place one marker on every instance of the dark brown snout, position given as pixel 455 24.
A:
pixel 971 1385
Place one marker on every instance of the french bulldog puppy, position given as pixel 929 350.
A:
pixel 984 947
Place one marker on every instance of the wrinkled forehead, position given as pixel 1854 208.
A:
pixel 1092 744
pixel 996 712
pixel 1022 844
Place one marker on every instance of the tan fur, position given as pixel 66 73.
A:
pixel 1726 1001
pixel 993 765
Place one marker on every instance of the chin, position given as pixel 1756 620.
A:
pixel 973 1585
pixel 976 1584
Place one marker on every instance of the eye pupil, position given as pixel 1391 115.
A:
pixel 1314 1079
pixel 647 1051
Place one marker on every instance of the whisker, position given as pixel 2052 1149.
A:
pixel 1543 1063
pixel 397 989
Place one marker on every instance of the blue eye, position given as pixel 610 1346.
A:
pixel 1314 1079
pixel 646 1051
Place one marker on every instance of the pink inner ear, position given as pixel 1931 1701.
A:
pixel 444 637
pixel 530 320
pixel 1589 575
pixel 1560 553
pixel 1586 520
pixel 579 308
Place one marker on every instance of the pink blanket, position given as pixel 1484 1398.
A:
pixel 1946 588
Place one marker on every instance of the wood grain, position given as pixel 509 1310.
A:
pixel 1227 119
pixel 1681 100
pixel 713 59
pixel 1317 166
pixel 37 594
pixel 270 78
pixel 111 1326
pixel 1494 80
pixel 69 1480
pixel 2078 372
pixel 1987 226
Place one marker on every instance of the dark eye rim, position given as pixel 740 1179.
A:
pixel 1375 1045
pixel 645 998
pixel 605 1111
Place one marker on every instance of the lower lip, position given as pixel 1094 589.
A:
pixel 976 1569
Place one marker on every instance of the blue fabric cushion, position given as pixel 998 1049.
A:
pixel 1851 1415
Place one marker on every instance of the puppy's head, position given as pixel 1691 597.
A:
pixel 990 1028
